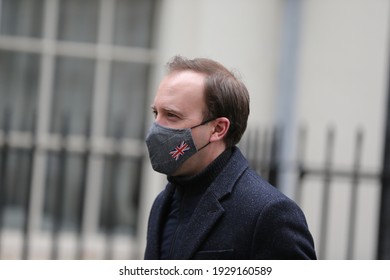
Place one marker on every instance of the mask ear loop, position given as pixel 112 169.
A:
pixel 204 146
pixel 203 123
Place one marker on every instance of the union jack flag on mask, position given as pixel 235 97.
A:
pixel 179 150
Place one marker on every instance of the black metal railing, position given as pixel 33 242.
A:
pixel 55 194
pixel 261 149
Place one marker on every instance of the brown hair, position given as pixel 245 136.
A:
pixel 225 95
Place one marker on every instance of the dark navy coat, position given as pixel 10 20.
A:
pixel 240 216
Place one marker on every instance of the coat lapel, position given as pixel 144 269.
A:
pixel 209 209
pixel 204 217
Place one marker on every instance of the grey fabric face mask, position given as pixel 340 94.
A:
pixel 169 148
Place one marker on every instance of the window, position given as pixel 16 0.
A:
pixel 73 91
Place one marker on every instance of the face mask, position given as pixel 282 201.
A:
pixel 169 148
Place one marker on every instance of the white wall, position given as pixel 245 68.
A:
pixel 343 74
pixel 242 35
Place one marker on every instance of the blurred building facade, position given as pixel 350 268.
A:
pixel 77 78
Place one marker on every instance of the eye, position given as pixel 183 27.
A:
pixel 172 116
pixel 154 113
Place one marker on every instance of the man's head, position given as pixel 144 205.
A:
pixel 224 94
pixel 203 96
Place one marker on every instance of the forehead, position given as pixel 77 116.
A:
pixel 182 91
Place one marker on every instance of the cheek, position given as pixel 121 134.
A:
pixel 201 137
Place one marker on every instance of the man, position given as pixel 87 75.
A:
pixel 214 206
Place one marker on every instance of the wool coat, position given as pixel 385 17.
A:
pixel 240 216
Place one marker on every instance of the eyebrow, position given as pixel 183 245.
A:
pixel 168 110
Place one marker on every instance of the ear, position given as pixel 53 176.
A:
pixel 220 129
